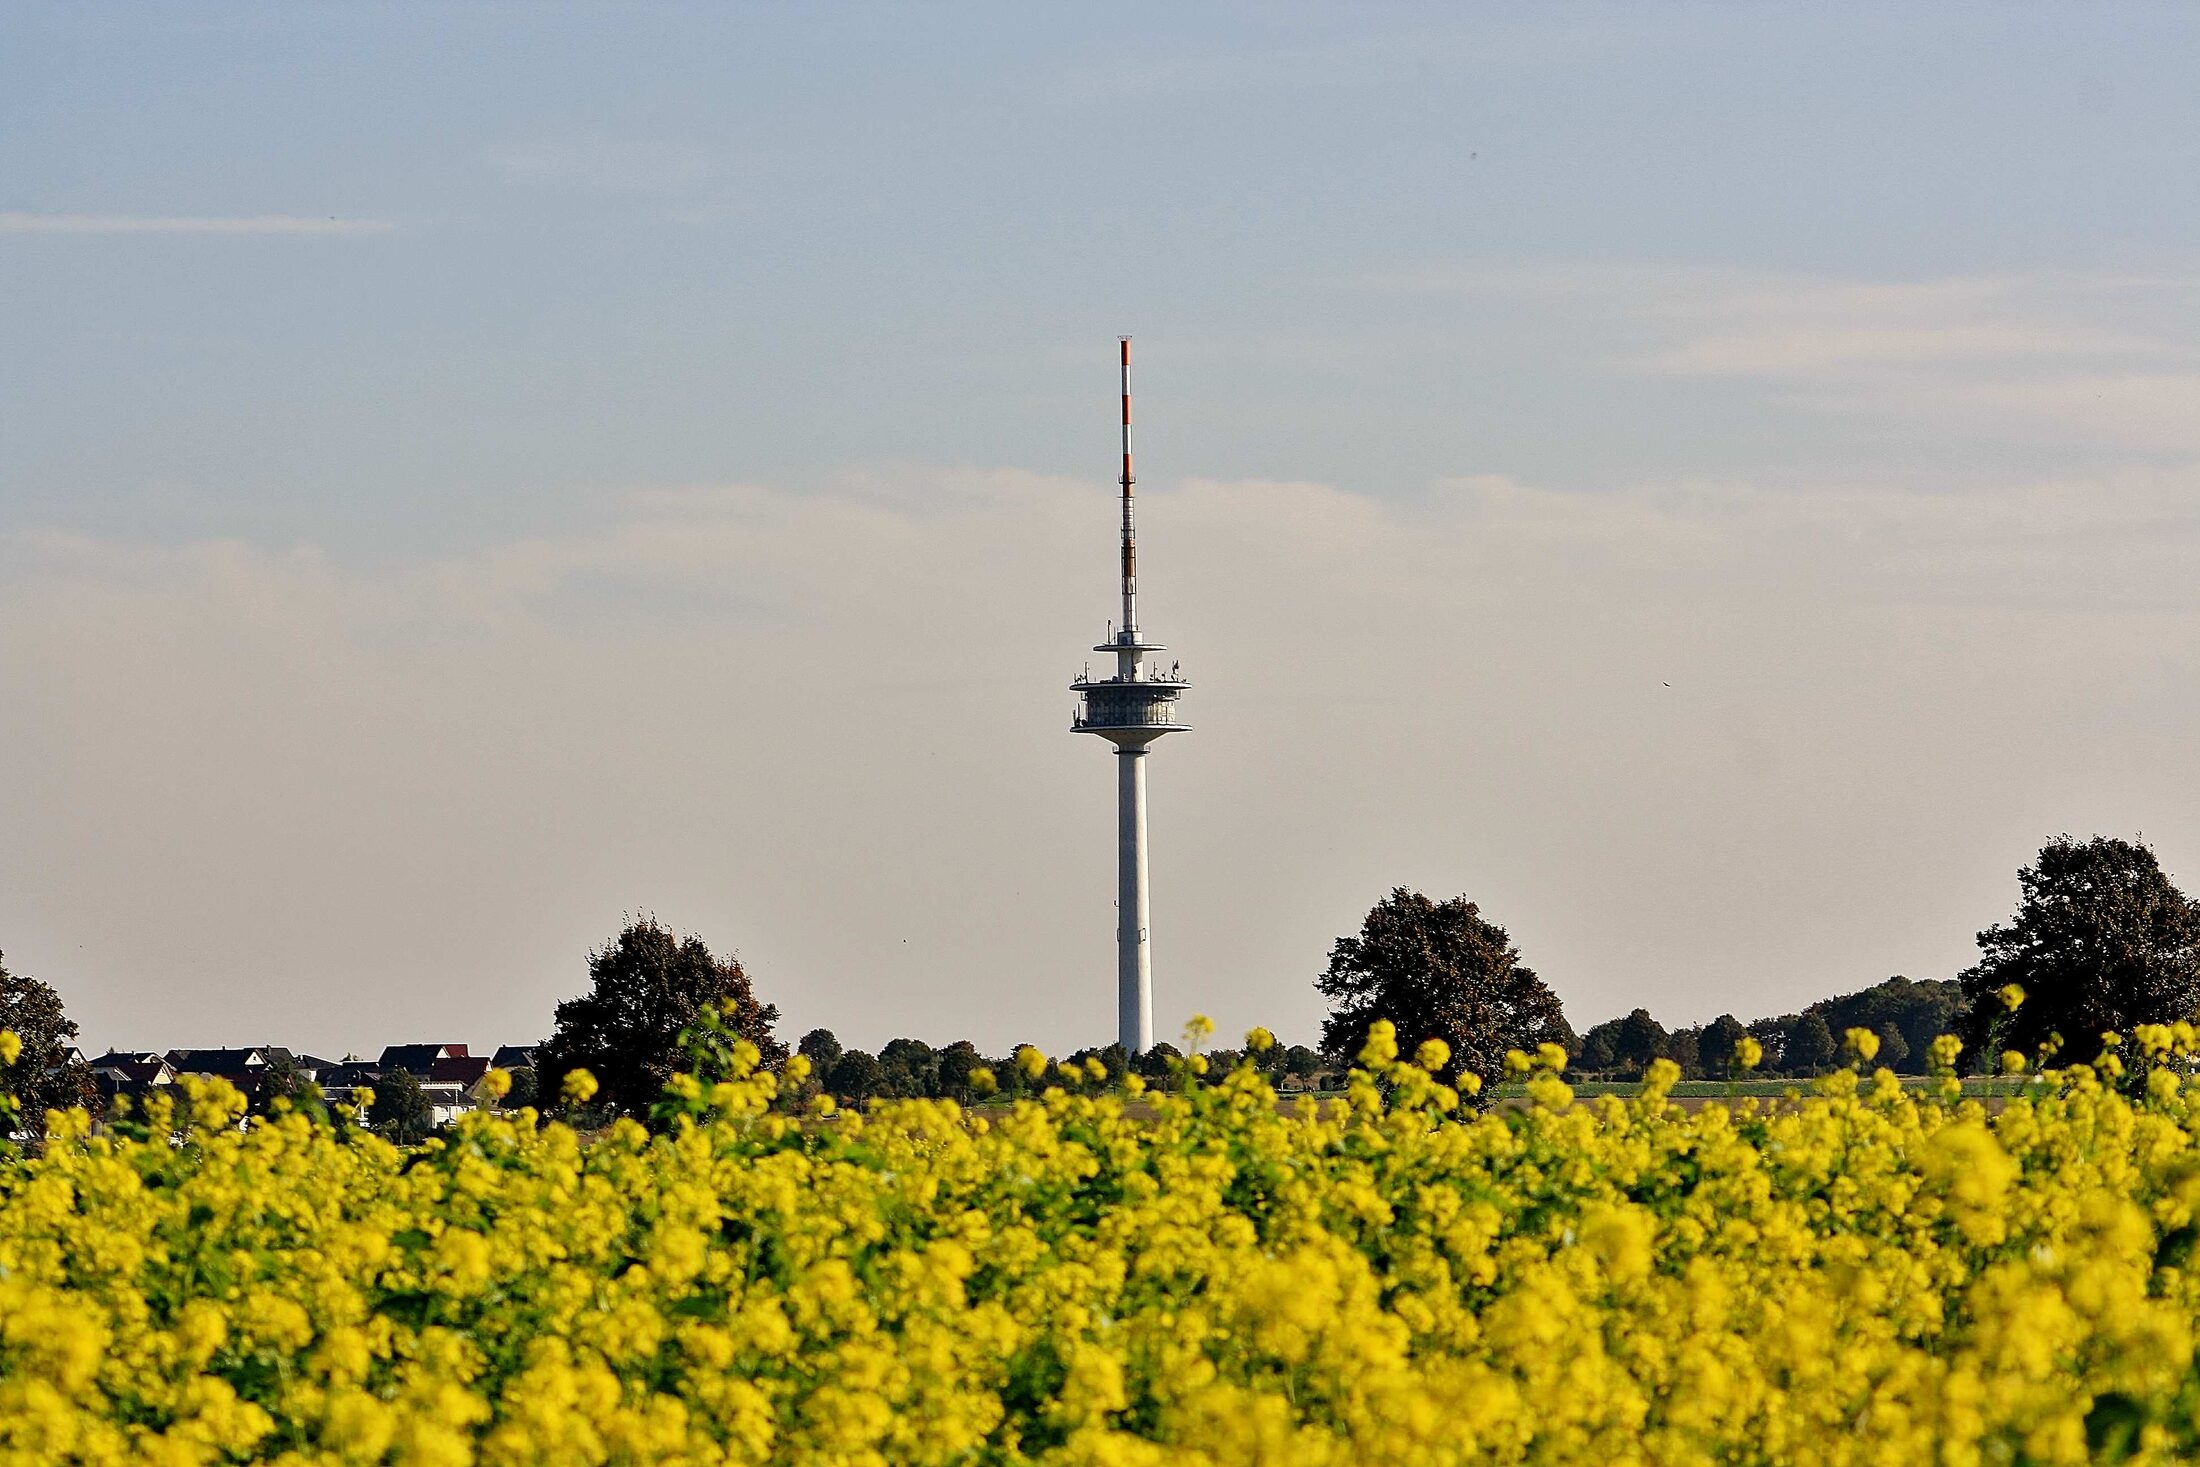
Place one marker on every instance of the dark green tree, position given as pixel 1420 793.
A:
pixel 1772 1037
pixel 646 986
pixel 1154 1065
pixel 1599 1052
pixel 1810 1046
pixel 1715 1050
pixel 1436 970
pixel 856 1076
pixel 820 1048
pixel 1917 1011
pixel 279 1081
pixel 1118 1061
pixel 1639 1040
pixel 912 1069
pixel 44 1076
pixel 2101 941
pixel 958 1062
pixel 523 1092
pixel 402 1112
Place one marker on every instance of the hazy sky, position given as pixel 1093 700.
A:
pixel 1720 485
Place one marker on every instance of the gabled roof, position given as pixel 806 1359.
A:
pixel 135 1074
pixel 419 1058
pixel 216 1061
pixel 124 1057
pixel 515 1056
pixel 464 1069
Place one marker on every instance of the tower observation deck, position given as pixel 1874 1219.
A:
pixel 1130 709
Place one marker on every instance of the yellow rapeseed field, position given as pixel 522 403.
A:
pixel 1863 1274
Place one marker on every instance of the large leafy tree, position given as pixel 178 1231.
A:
pixel 1715 1050
pixel 1809 1046
pixel 856 1076
pixel 1437 970
pixel 402 1111
pixel 45 1075
pixel 1907 1015
pixel 2101 940
pixel 1625 1044
pixel 646 986
pixel 912 1068
pixel 958 1062
pixel 1639 1040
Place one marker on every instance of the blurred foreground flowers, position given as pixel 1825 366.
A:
pixel 1865 1274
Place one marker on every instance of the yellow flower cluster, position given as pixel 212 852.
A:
pixel 1862 1274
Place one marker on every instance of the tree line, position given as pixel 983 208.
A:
pixel 2101 940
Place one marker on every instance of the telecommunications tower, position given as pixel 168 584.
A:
pixel 1131 709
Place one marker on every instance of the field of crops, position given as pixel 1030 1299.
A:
pixel 1873 1275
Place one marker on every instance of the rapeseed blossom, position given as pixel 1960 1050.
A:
pixel 1863 1273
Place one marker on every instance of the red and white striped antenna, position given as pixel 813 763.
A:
pixel 1130 536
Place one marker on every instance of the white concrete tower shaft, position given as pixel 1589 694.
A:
pixel 1130 709
pixel 1134 914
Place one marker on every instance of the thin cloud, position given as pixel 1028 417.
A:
pixel 2095 358
pixel 25 223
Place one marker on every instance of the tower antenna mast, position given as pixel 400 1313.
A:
pixel 1130 710
pixel 1130 528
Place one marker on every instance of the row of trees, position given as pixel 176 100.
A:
pixel 911 1069
pixel 1906 1014
pixel 2101 941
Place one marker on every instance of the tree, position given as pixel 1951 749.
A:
pixel 958 1062
pixel 46 1075
pixel 1436 970
pixel 1810 1045
pixel 1638 1040
pixel 820 1048
pixel 856 1076
pixel 279 1081
pixel 523 1092
pixel 401 1112
pixel 1715 1050
pixel 646 986
pixel 1301 1063
pixel 1153 1065
pixel 1599 1054
pixel 1893 1048
pixel 1772 1037
pixel 2101 941
pixel 1917 1011
pixel 912 1068
pixel 1684 1047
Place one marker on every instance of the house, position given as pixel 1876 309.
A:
pixel 515 1056
pixel 464 1071
pixel 242 1068
pixel 454 1086
pixel 114 1057
pixel 232 1064
pixel 420 1058
pixel 340 1077
pixel 134 1073
pixel 253 1070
